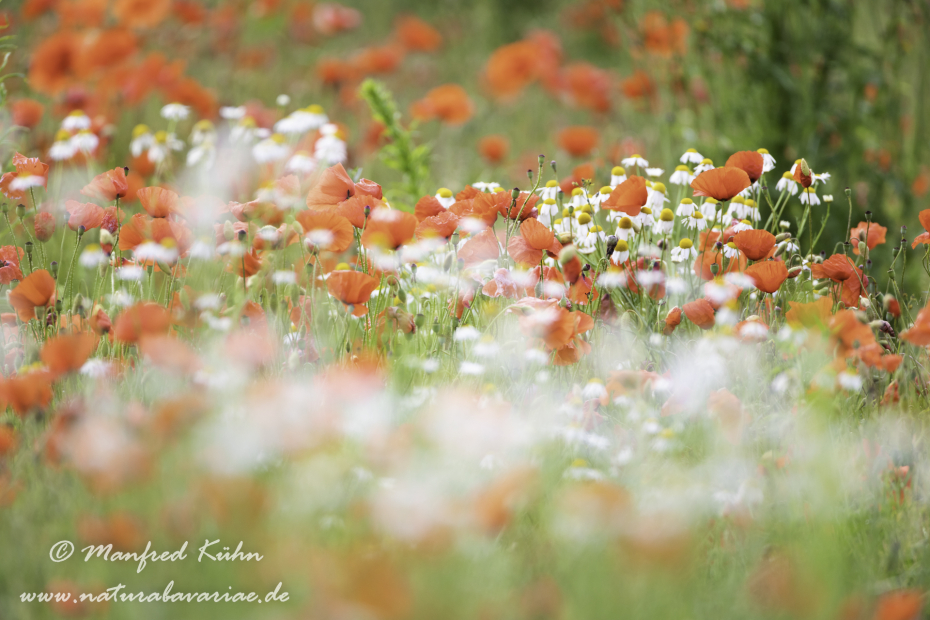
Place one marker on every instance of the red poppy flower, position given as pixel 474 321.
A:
pixel 87 215
pixel 438 226
pixel 493 148
pixel 721 183
pixel 749 162
pixel 108 186
pixel 389 229
pixel 428 206
pixel 141 13
pixel 27 112
pixel 483 246
pixel 64 354
pixel 158 201
pixel 37 289
pixel 416 35
pixel 838 268
pixel 142 319
pixel 755 244
pixel 700 312
pixel 334 186
pixel 449 103
pixel 672 320
pixel 10 257
pixel 352 288
pixel 512 68
pixel 629 197
pixel 325 230
pixel 876 235
pixel 768 275
pixel 579 140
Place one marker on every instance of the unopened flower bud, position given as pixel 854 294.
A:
pixel 781 249
pixel 229 233
pixel 20 211
pixel 782 237
pixel 568 253
pixel 565 237
pixel 795 272
pixel 862 247
pixel 714 268
pixel 611 244
pixel 45 226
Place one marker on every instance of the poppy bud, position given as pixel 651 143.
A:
pixel 554 169
pixel 565 237
pixel 780 249
pixel 20 211
pixel 419 320
pixel 568 253
pixel 795 272
pixel 228 232
pixel 45 226
pixel 862 247
pixel 861 235
pixel 714 268
pixel 402 295
pixel 106 237
pixel 782 237
pixel 611 244
pixel 298 228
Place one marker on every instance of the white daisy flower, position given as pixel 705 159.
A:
pixel 681 176
pixel 175 112
pixel 617 176
pixel 301 162
pixel 691 156
pixel 329 147
pixel 271 150
pixel 684 251
pixel 76 121
pixel 654 172
pixel 696 221
pixel 142 140
pixel 704 166
pixel 685 208
pixel 445 197
pixel 635 160
pixel 809 197
pixel 768 162
pixel 787 182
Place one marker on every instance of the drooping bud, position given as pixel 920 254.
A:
pixel 782 237
pixel 568 253
pixel 45 226
pixel 611 244
pixel 795 272
pixel 229 233
pixel 862 247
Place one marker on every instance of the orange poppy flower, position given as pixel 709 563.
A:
pixel 353 209
pixel 428 206
pixel 27 112
pixel 158 201
pixel 672 320
pixel 53 62
pixel 493 148
pixel 587 86
pixel 141 13
pixel 534 239
pixel 924 237
pixel 247 265
pixel 483 246
pixel 545 320
pixel 437 226
pixel 749 162
pixel 768 275
pixel 755 244
pixel 325 230
pixel 899 605
pixel 838 268
pixel 44 225
pixel 919 333
pixel 876 235
pixel 37 289
pixel 449 103
pixel 378 59
pixel 10 257
pixel 141 228
pixel 628 197
pixel 512 68
pixel 579 140
pixel 700 312
pixel 87 215
pixel 638 86
pixel 334 186
pixel 64 354
pixel 108 186
pixel 416 35
pixel 504 204
pixel 143 319
pixel 721 183
pixel 333 71
pixel 389 229
pixel 28 392
pixel 352 288
pixel 25 167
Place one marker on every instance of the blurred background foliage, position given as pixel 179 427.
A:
pixel 842 83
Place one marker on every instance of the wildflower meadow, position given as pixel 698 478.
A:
pixel 492 310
